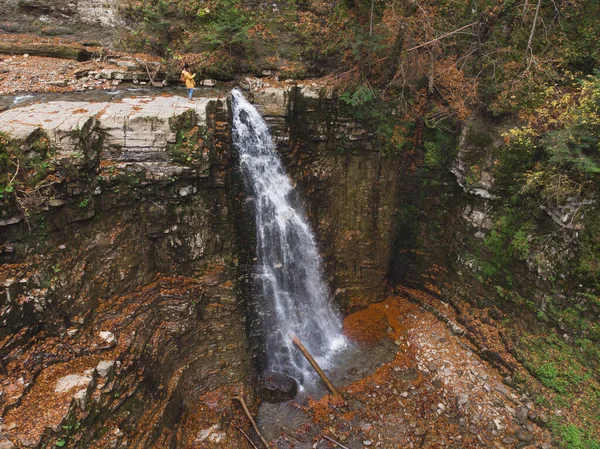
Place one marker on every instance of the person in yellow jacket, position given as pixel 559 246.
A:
pixel 189 80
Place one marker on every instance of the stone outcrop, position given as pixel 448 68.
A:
pixel 138 127
pixel 94 12
pixel 133 282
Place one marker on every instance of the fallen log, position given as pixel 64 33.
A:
pixel 47 50
pixel 316 366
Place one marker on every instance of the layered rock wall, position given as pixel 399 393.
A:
pixel 95 12
pixel 129 262
pixel 351 191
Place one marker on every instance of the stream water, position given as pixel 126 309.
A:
pixel 115 94
pixel 296 299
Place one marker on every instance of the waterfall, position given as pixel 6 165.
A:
pixel 296 299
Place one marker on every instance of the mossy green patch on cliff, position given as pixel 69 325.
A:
pixel 587 266
pixel 27 173
pixel 395 132
pixel 192 146
pixel 572 437
pixel 510 240
pixel 570 386
pixel 551 164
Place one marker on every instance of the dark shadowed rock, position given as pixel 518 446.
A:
pixel 522 414
pixel 409 375
pixel 525 436
pixel 278 387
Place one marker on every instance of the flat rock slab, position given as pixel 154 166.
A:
pixel 72 381
pixel 53 117
pixel 140 123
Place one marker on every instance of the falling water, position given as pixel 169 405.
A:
pixel 289 266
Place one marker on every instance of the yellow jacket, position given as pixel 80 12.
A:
pixel 189 79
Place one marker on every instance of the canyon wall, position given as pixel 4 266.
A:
pixel 132 270
pixel 120 309
pixel 125 278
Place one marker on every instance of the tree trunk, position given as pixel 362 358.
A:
pixel 395 54
pixel 48 50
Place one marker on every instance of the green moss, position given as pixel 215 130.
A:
pixel 572 437
pixel 25 168
pixel 587 266
pixel 192 145
pixel 392 133
pixel 562 369
pixel 438 146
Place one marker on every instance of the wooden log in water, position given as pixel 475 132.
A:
pixel 316 366
pixel 43 49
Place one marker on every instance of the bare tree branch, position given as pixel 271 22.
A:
pixel 409 50
pixel 16 172
pixel 535 18
pixel 443 36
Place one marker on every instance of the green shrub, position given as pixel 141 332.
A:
pixel 227 26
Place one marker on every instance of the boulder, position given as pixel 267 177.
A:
pixel 105 368
pixel 272 101
pixel 81 73
pixel 277 387
pixel 60 83
pixel 462 399
pixel 205 434
pixel 107 336
pixel 121 75
pixel 106 73
pixel 127 64
pixel 81 398
pixel 71 381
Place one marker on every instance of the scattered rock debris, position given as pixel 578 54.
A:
pixel 435 394
pixel 29 73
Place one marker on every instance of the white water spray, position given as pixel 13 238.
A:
pixel 289 265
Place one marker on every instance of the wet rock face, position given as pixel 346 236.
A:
pixel 350 191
